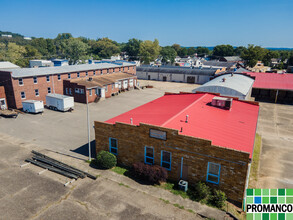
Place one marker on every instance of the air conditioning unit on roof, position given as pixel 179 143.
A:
pixel 222 102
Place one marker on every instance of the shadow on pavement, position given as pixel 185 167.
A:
pixel 84 149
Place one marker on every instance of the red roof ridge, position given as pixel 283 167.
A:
pixel 189 106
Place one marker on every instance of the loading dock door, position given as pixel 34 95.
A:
pixel 190 79
pixel 164 78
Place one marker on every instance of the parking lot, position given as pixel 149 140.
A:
pixel 26 195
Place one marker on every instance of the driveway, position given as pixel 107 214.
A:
pixel 275 125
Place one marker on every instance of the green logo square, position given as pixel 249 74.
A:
pixel 289 192
pixel 281 199
pixel 249 200
pixel 265 216
pixel 289 200
pixel 281 216
pixel 273 216
pixel 273 192
pixel 265 192
pixel 249 192
pixel 289 216
pixel 257 216
pixel 257 192
pixel 266 200
pixel 249 216
pixel 273 200
pixel 281 192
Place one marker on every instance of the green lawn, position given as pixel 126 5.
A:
pixel 255 162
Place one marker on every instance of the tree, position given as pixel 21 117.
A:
pixel 268 55
pixel 191 51
pixel 239 50
pixel 149 50
pixel 182 52
pixel 76 50
pixel 290 61
pixel 252 55
pixel 105 48
pixel 201 51
pixel 64 36
pixel 41 45
pixel 176 47
pixel 132 47
pixel 31 52
pixel 168 53
pixel 223 50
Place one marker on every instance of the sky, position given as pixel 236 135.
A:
pixel 267 23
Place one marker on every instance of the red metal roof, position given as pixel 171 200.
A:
pixel 234 128
pixel 272 80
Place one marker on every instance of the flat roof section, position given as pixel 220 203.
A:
pixel 29 72
pixel 281 81
pixel 234 128
pixel 101 80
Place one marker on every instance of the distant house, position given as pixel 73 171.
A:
pixel 60 62
pixel 8 65
pixel 219 65
pixel 260 67
pixel 274 62
pixel 40 63
pixel 231 59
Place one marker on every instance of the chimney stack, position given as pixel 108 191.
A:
pixel 186 121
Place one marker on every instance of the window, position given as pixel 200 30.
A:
pixel 37 92
pixel 106 88
pixel 22 94
pixel 128 68
pixel 81 91
pixel 59 77
pixel 112 86
pixel 101 72
pixel 48 78
pixel 133 67
pixel 49 90
pixel 70 91
pixel 94 72
pixel 66 91
pixel 107 70
pixel 69 76
pixel 77 75
pixel 76 90
pixel 213 173
pixel 20 82
pixel 123 69
pixel 113 70
pixel 86 73
pixel 149 155
pixel 35 80
pixel 90 92
pixel 166 159
pixel 119 69
pixel 113 146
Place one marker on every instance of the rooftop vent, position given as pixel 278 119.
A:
pixel 221 102
pixel 224 79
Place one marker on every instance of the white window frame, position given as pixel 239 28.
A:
pixel 78 74
pixel 69 75
pixel 20 82
pixel 35 80
pixel 49 89
pixel 37 92
pixel 23 94
pixel 48 78
pixel 59 77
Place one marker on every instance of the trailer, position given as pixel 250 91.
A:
pixel 59 102
pixel 33 106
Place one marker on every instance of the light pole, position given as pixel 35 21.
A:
pixel 88 124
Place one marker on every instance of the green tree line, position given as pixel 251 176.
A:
pixel 77 50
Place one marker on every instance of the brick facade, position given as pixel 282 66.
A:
pixel 196 154
pixel 13 88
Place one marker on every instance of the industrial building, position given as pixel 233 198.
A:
pixel 195 136
pixel 176 74
pixel 98 87
pixel 234 85
pixel 36 83
pixel 40 63
pixel 272 87
pixel 8 65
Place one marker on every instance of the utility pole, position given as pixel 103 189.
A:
pixel 88 124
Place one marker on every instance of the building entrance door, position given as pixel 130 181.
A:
pixel 164 78
pixel 190 79
pixel 183 170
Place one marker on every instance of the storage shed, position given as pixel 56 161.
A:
pixel 234 85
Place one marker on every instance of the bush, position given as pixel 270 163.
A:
pixel 200 191
pixel 154 174
pixel 106 160
pixel 218 198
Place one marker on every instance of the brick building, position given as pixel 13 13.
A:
pixel 189 135
pixel 3 102
pixel 35 84
pixel 98 87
